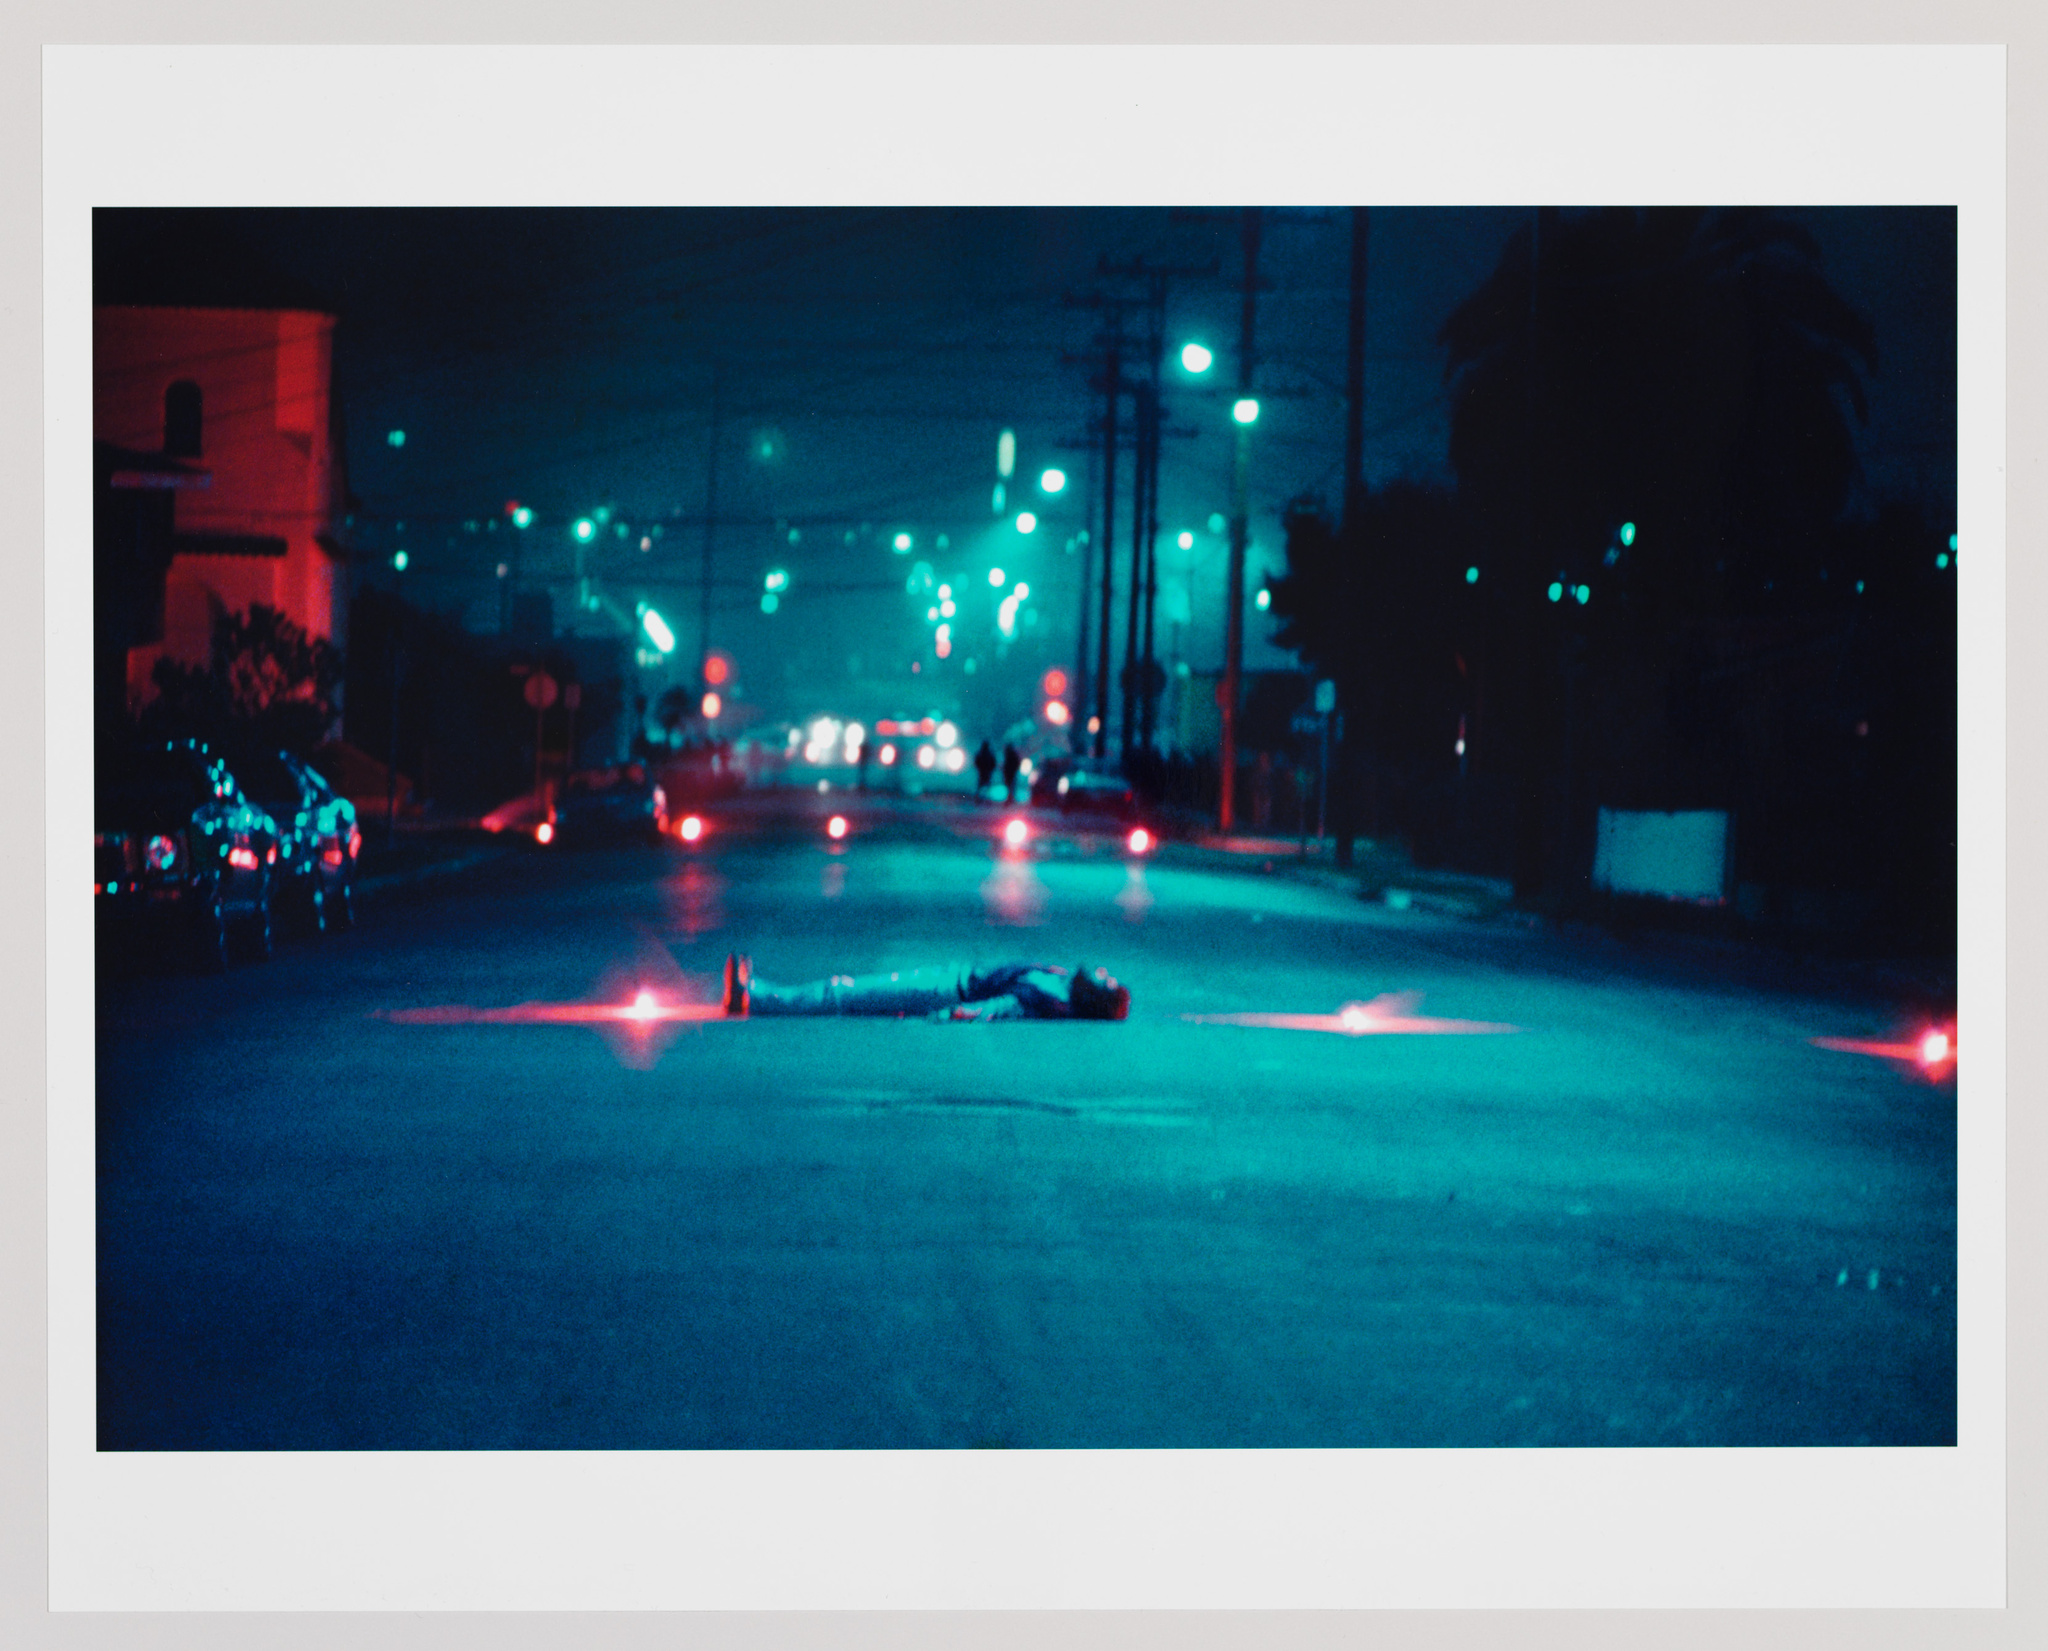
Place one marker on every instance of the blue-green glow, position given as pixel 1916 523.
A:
pixel 1196 358
pixel 1628 533
pixel 770 601
pixel 400 560
pixel 1556 591
pixel 1471 576
pixel 585 529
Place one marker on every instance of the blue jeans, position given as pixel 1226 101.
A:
pixel 1040 991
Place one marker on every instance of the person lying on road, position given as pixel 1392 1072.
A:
pixel 1005 991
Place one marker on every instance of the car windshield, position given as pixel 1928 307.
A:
pixel 264 776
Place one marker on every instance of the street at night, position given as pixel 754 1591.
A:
pixel 392 1190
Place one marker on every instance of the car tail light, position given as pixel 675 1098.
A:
pixel 835 828
pixel 242 857
pixel 544 833
pixel 691 829
pixel 1140 840
pixel 161 856
pixel 1016 833
pixel 355 842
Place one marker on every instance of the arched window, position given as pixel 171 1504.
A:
pixel 181 420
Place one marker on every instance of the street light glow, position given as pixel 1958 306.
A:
pixel 1245 410
pixel 1628 533
pixel 1053 481
pixel 658 632
pixel 712 706
pixel 522 517
pixel 903 543
pixel 1196 358
pixel 400 560
pixel 1187 540
pixel 1026 522
pixel 996 576
pixel 777 579
pixel 585 529
pixel 1006 453
pixel 1264 599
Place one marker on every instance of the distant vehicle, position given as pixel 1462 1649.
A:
pixel 1083 790
pixel 318 837
pixel 178 848
pixel 600 804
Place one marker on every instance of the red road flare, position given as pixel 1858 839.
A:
pixel 554 1014
pixel 1354 1026
pixel 1913 1052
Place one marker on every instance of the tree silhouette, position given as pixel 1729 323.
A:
pixel 1684 369
pixel 1655 408
pixel 268 682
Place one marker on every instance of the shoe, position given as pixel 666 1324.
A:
pixel 739 984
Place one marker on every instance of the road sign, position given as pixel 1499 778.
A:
pixel 541 690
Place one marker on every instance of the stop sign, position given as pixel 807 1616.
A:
pixel 541 690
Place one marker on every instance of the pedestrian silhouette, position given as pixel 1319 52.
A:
pixel 1011 764
pixel 984 769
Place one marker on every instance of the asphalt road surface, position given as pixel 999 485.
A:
pixel 403 1189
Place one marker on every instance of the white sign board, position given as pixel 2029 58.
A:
pixel 1679 856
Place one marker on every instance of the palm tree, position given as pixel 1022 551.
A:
pixel 1686 370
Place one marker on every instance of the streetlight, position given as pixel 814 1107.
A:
pixel 1026 522
pixel 1196 358
pixel 1053 481
pixel 585 529
pixel 1245 410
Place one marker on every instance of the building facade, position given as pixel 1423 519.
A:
pixel 238 403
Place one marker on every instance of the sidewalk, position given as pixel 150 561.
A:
pixel 1378 871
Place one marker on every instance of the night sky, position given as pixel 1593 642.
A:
pixel 867 361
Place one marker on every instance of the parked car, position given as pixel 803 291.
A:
pixel 600 804
pixel 319 840
pixel 178 848
pixel 1081 789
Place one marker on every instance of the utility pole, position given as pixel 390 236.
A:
pixel 1077 723
pixel 1147 399
pixel 1112 394
pixel 1350 535
pixel 1139 693
pixel 1354 371
pixel 710 537
pixel 1149 691
pixel 1240 531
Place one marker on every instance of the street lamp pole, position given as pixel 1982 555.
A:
pixel 710 540
pixel 1228 691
